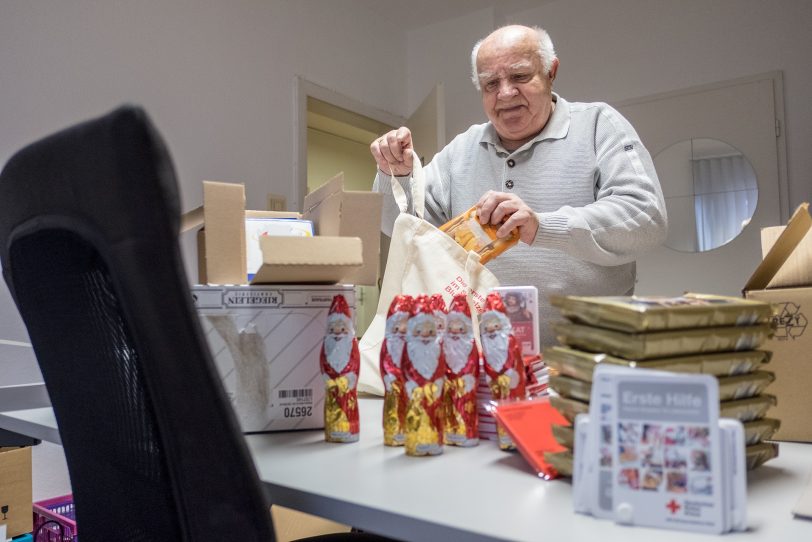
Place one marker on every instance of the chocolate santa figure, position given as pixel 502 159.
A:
pixel 424 370
pixel 394 342
pixel 340 362
pixel 462 375
pixel 502 355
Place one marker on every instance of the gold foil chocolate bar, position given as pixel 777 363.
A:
pixel 569 408
pixel 758 454
pixel 560 461
pixel 480 238
pixel 657 313
pixel 564 435
pixel 581 365
pixel 658 344
pixel 745 410
pixel 757 430
pixel 730 387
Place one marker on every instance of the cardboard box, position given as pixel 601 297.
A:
pixel 784 278
pixel 266 342
pixel 345 249
pixel 16 491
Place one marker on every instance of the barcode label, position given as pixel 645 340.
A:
pixel 304 393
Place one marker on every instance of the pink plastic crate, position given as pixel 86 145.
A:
pixel 55 520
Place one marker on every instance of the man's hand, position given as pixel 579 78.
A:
pixel 493 207
pixel 393 152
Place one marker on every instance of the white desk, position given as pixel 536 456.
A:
pixel 465 494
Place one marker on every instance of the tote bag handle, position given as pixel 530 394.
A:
pixel 418 188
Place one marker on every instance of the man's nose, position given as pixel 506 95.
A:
pixel 506 89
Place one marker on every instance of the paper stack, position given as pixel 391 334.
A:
pixel 693 333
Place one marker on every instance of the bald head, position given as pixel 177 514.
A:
pixel 533 40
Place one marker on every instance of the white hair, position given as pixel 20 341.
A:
pixel 545 51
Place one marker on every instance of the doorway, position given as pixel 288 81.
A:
pixel 333 135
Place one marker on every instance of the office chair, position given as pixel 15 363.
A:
pixel 89 219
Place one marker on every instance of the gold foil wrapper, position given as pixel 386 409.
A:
pixel 656 344
pixel 650 313
pixel 758 454
pixel 336 424
pixel 423 435
pixel 581 365
pixel 730 387
pixel 460 423
pixel 393 430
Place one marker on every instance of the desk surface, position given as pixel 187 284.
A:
pixel 473 494
pixel 480 493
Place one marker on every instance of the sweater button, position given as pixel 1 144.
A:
pixel 508 184
pixel 511 162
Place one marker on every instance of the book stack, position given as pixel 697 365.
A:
pixel 692 333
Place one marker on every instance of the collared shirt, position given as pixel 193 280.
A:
pixel 591 183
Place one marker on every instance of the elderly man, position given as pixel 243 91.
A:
pixel 574 178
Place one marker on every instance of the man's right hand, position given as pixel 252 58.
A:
pixel 393 152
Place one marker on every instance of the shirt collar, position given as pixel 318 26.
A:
pixel 557 127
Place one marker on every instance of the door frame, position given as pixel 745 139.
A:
pixel 302 89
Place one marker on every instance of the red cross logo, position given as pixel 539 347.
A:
pixel 673 506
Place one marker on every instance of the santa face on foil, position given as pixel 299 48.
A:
pixel 458 341
pixel 395 335
pixel 495 330
pixel 423 345
pixel 338 341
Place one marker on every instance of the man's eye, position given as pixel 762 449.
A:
pixel 521 77
pixel 491 85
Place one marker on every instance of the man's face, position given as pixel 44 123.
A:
pixel 516 93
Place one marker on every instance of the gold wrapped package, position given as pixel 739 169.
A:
pixel 749 409
pixel 758 454
pixel 658 344
pixel 564 435
pixel 658 313
pixel 480 238
pixel 757 430
pixel 581 365
pixel 561 461
pixel 744 410
pixel 731 388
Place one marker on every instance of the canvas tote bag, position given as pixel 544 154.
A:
pixel 422 260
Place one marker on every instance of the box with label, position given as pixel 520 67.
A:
pixel 266 341
pixel 784 279
pixel 15 490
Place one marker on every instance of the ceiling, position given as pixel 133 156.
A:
pixel 417 13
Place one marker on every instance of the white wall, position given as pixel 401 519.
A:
pixel 216 76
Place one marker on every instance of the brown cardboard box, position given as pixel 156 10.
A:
pixel 15 490
pixel 345 249
pixel 784 278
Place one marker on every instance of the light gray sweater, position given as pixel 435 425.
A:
pixel 591 182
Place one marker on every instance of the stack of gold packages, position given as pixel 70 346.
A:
pixel 692 333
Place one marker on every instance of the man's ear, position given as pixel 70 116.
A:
pixel 553 70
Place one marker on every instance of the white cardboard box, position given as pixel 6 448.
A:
pixel 266 342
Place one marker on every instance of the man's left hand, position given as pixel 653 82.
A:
pixel 493 207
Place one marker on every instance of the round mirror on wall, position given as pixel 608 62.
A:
pixel 710 191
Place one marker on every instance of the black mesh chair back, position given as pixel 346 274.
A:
pixel 89 219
